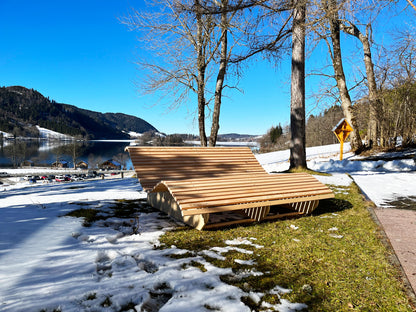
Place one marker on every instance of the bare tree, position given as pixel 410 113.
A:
pixel 74 149
pixel 17 152
pixel 267 31
pixel 180 40
pixel 224 12
pixel 201 43
pixel 122 158
pixel 399 92
pixel 224 59
pixel 59 151
pixel 331 23
pixel 93 161
pixel 354 18
pixel 188 41
pixel 373 94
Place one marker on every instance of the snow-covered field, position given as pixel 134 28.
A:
pixel 381 181
pixel 49 262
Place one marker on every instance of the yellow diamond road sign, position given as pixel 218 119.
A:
pixel 342 130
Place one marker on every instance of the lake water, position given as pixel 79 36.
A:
pixel 44 153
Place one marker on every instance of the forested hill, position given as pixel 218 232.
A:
pixel 21 109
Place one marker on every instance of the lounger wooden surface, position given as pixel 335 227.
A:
pixel 196 184
pixel 153 164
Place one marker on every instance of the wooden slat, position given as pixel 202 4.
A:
pixel 153 164
pixel 158 168
pixel 186 149
pixel 152 179
pixel 227 223
pixel 258 213
pixel 230 190
pixel 186 192
pixel 247 201
pixel 248 178
pixel 232 207
pixel 207 185
pixel 245 192
pixel 245 196
pixel 240 200
pixel 233 187
pixel 201 171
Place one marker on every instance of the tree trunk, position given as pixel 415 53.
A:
pixel 297 101
pixel 373 97
pixel 201 67
pixel 201 108
pixel 372 90
pixel 220 77
pixel 346 104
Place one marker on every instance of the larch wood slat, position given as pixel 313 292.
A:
pixel 186 190
pixel 232 207
pixel 227 223
pixel 246 178
pixel 241 197
pixel 239 200
pixel 235 188
pixel 172 163
pixel 202 181
pixel 248 190
pixel 229 184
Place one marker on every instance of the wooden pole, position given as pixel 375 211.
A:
pixel 342 149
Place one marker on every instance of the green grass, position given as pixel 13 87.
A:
pixel 306 170
pixel 334 260
pixel 91 296
pixel 195 264
pixel 89 214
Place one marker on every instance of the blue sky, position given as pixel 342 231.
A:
pixel 77 52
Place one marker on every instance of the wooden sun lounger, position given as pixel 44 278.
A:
pixel 199 185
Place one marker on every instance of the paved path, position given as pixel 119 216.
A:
pixel 400 228
pixel 398 190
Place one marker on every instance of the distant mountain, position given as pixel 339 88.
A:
pixel 237 137
pixel 21 109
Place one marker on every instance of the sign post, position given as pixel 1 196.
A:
pixel 342 130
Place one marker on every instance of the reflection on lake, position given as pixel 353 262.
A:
pixel 44 153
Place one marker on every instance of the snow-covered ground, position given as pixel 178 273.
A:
pixel 49 262
pixel 381 181
pixel 225 143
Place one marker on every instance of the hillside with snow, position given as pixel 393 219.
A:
pixel 22 108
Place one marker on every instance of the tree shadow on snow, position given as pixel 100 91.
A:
pixel 407 203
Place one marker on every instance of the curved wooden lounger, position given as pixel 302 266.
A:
pixel 193 184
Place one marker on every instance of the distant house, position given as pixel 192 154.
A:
pixel 82 165
pixel 27 163
pixel 60 164
pixel 110 165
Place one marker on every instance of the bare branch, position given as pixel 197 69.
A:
pixel 411 4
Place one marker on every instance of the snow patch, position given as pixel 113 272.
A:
pixel 51 135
